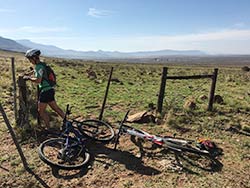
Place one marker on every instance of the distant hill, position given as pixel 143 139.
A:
pixel 155 54
pixel 49 50
pixel 11 45
pixel 54 51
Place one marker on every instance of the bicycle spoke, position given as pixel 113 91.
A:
pixel 97 130
pixel 55 153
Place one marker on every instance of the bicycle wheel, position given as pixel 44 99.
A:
pixel 54 153
pixel 194 156
pixel 177 146
pixel 96 129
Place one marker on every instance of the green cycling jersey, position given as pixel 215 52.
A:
pixel 40 73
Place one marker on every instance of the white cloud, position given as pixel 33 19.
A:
pixel 239 25
pixel 225 41
pixel 233 41
pixel 98 13
pixel 233 34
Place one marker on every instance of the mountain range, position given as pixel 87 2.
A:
pixel 54 51
pixel 11 45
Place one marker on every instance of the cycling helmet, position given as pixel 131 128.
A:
pixel 32 53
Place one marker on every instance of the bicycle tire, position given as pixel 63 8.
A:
pixel 49 150
pixel 97 130
pixel 201 159
pixel 186 148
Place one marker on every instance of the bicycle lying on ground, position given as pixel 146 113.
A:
pixel 203 147
pixel 68 150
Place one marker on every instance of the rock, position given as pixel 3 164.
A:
pixel 241 97
pixel 116 80
pixel 91 74
pixel 190 105
pixel 203 97
pixel 141 117
pixel 218 99
pixel 98 81
pixel 245 69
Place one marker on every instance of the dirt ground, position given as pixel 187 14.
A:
pixel 121 168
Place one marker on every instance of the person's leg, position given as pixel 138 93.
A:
pixel 41 109
pixel 56 108
pixel 49 98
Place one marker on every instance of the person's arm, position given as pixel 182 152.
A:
pixel 29 73
pixel 38 75
pixel 33 79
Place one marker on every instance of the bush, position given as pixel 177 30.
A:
pixel 245 68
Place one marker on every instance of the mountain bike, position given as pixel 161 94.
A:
pixel 68 150
pixel 202 147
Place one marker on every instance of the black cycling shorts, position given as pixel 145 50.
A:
pixel 47 96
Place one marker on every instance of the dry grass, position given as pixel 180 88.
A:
pixel 138 88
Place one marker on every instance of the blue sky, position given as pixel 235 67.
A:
pixel 213 26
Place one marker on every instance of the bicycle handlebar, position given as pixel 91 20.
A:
pixel 68 112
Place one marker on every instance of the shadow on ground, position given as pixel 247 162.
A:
pixel 102 154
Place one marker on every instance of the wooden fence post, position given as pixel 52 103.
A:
pixel 37 99
pixel 106 94
pixel 23 112
pixel 212 90
pixel 162 89
pixel 14 86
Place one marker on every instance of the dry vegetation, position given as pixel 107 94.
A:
pixel 135 87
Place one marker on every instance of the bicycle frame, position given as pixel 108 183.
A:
pixel 146 136
pixel 69 128
pixel 149 137
pixel 70 144
pixel 175 144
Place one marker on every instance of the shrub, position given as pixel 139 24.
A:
pixel 245 69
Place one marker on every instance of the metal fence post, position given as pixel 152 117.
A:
pixel 106 94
